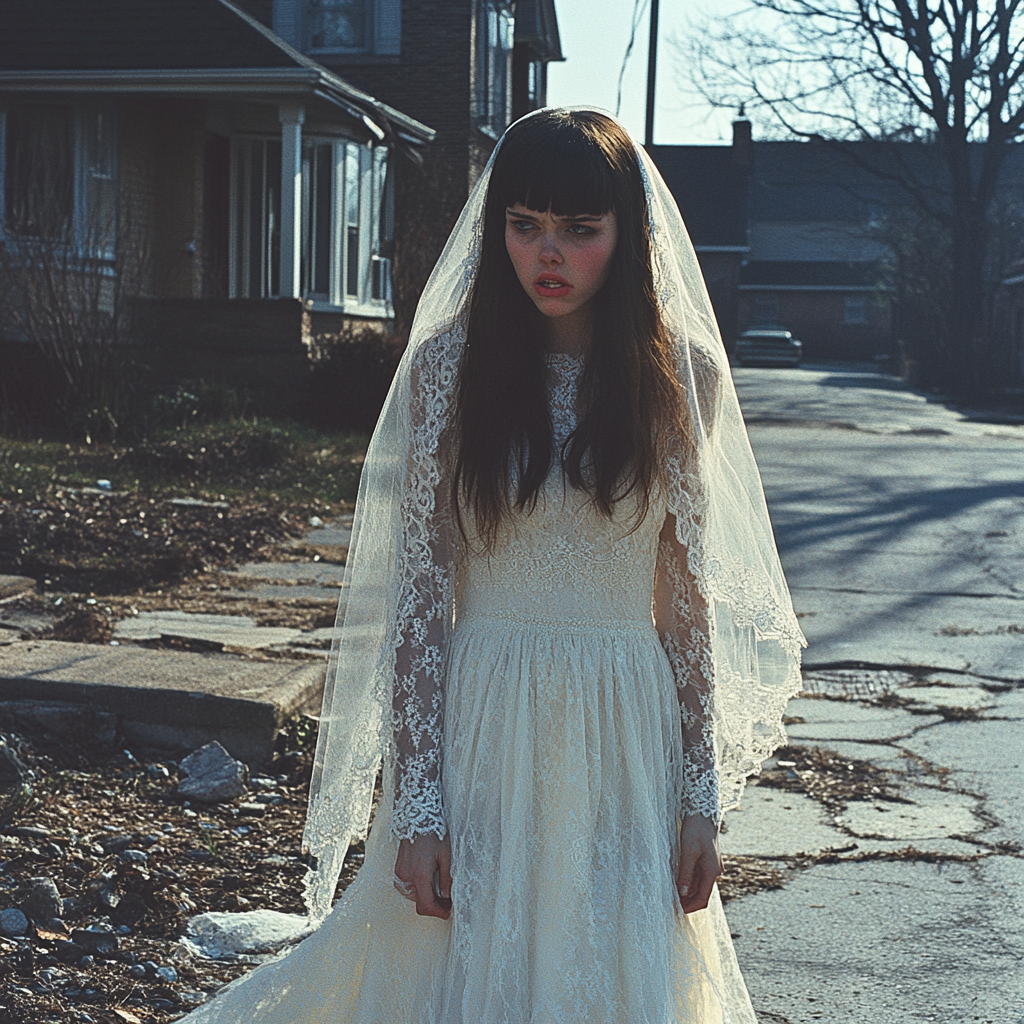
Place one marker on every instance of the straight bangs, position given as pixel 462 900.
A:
pixel 542 169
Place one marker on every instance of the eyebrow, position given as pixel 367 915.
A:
pixel 576 217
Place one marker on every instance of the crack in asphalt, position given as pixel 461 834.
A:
pixel 881 666
pixel 1008 596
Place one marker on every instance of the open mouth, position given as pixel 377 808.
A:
pixel 551 285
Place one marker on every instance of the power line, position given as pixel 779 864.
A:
pixel 639 7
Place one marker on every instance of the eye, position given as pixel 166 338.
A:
pixel 522 226
pixel 581 229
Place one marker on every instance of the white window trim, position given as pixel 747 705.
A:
pixel 338 301
pixel 79 212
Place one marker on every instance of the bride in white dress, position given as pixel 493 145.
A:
pixel 567 636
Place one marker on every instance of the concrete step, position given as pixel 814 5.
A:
pixel 169 701
pixel 15 586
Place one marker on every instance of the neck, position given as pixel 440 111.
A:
pixel 570 334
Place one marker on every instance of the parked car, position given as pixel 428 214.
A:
pixel 768 346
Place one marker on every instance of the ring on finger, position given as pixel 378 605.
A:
pixel 405 888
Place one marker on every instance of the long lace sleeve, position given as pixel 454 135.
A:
pixel 424 623
pixel 682 621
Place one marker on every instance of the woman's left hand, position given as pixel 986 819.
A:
pixel 700 863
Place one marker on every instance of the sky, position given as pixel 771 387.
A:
pixel 594 37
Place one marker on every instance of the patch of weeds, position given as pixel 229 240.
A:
pixel 828 777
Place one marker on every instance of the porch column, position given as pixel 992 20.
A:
pixel 291 116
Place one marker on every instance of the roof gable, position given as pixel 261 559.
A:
pixel 122 35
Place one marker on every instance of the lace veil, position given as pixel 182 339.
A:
pixel 716 495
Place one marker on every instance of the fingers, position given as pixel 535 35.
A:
pixel 695 887
pixel 423 876
pixel 444 876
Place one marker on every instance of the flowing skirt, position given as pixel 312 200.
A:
pixel 562 785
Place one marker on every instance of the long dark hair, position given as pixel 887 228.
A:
pixel 571 163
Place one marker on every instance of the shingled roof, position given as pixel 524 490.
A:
pixel 108 35
pixel 156 44
pixel 710 188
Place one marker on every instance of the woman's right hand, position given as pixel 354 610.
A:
pixel 419 864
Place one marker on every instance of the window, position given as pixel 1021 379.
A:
pixel 337 25
pixel 495 28
pixel 855 309
pixel 346 223
pixel 766 310
pixel 342 27
pixel 256 225
pixel 535 91
pixel 58 174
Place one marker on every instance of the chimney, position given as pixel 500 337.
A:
pixel 742 143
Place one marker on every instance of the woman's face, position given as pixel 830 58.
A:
pixel 561 262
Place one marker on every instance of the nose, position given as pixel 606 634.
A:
pixel 549 251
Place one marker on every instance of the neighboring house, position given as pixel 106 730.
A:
pixel 465 67
pixel 239 168
pixel 784 242
pixel 806 236
pixel 818 252
pixel 285 167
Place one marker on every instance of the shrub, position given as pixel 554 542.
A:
pixel 352 372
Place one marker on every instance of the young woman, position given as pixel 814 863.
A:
pixel 567 635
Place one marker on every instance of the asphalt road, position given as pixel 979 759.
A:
pixel 901 528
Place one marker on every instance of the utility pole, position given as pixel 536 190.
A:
pixel 652 73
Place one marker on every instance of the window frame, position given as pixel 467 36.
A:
pixel 84 114
pixel 307 31
pixel 292 21
pixel 349 159
pixel 496 15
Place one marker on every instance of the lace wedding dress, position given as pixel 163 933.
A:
pixel 552 699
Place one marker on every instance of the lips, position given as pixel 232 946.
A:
pixel 551 285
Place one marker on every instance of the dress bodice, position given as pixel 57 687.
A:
pixel 564 559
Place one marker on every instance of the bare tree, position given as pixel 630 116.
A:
pixel 949 72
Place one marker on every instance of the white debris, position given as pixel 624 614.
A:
pixel 219 935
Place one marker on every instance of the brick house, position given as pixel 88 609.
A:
pixel 465 67
pixel 288 167
pixel 803 235
pixel 787 236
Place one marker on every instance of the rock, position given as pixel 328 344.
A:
pixel 68 952
pixel 252 810
pixel 269 798
pixel 13 771
pixel 130 909
pixel 137 971
pixel 214 776
pixel 44 902
pixel 255 931
pixel 13 923
pixel 115 843
pixel 29 832
pixel 134 856
pixel 168 974
pixel 95 940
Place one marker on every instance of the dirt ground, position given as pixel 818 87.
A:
pixel 126 853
